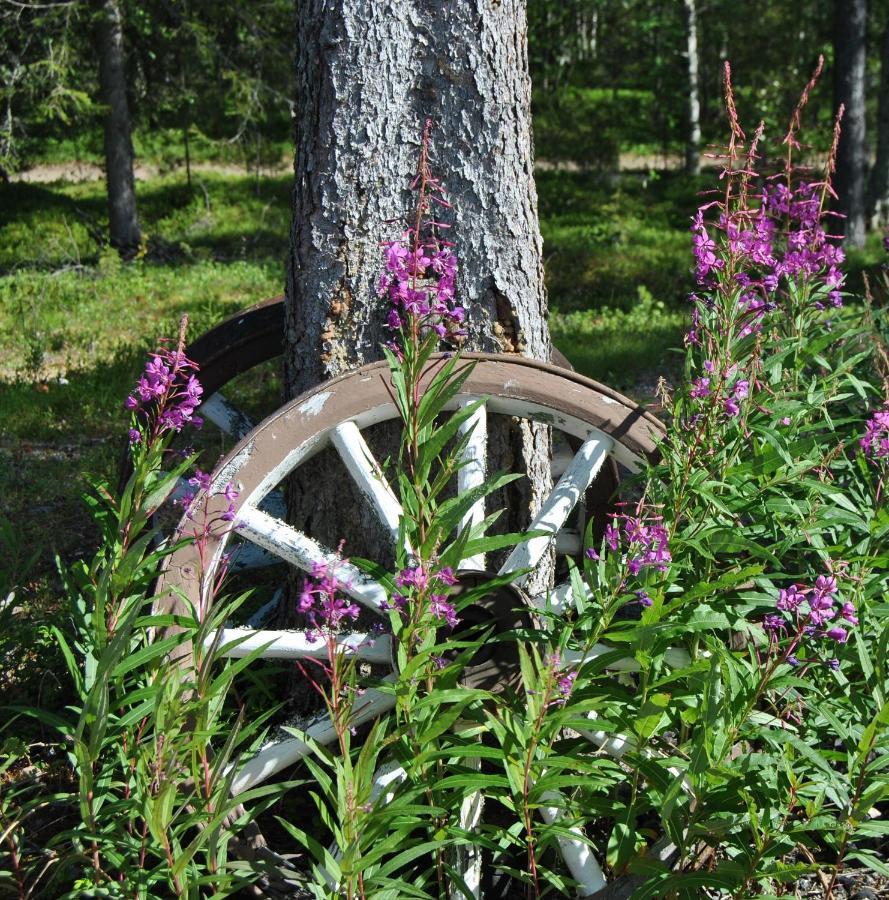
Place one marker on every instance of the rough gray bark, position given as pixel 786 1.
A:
pixel 693 133
pixel 368 74
pixel 849 41
pixel 123 220
pixel 878 194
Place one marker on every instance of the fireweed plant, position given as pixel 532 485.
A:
pixel 148 738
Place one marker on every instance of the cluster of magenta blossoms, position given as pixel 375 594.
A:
pixel 420 286
pixel 562 678
pixel 417 582
pixel 643 543
pixel 322 602
pixel 167 394
pixel 420 273
pixel 783 241
pixel 875 442
pixel 200 481
pixel 730 392
pixel 810 613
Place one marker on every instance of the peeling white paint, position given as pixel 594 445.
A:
pixel 315 404
pixel 228 472
pixel 609 400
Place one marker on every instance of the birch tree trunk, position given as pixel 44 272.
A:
pixel 123 221
pixel 878 200
pixel 693 133
pixel 850 29
pixel 368 74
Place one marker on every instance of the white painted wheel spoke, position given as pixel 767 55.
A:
pixel 284 752
pixel 581 863
pixel 386 776
pixel 365 470
pixel 557 507
pixel 301 551
pixel 226 416
pixel 472 474
pixel 295 645
pixel 559 600
pixel 469 856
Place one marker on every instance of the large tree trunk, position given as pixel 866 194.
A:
pixel 693 126
pixel 124 223
pixel 368 74
pixel 849 41
pixel 878 195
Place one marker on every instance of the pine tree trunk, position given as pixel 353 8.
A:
pixel 123 221
pixel 850 31
pixel 878 199
pixel 693 133
pixel 368 74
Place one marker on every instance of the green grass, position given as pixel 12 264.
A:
pixel 603 242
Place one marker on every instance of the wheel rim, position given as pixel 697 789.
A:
pixel 606 425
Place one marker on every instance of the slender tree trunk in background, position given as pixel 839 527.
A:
pixel 878 194
pixel 693 134
pixel 587 26
pixel 368 74
pixel 849 41
pixel 124 223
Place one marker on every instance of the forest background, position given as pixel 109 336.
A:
pixel 628 98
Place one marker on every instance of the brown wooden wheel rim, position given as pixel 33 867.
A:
pixel 607 426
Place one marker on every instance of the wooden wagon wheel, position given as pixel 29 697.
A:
pixel 606 425
pixel 254 337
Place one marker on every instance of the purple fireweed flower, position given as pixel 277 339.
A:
pixel 442 608
pixel 592 553
pixel 741 389
pixel 646 541
pixel 420 268
pixel 700 388
pixel 200 480
pixel 643 598
pixel 566 684
pixel 811 611
pixel 413 577
pixel 790 598
pixel 134 435
pixel 875 442
pixel 730 406
pixel 168 392
pixel 322 603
